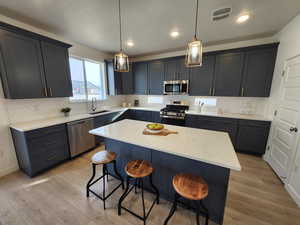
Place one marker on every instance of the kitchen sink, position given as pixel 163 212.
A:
pixel 97 112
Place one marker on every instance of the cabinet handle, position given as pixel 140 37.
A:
pixel 214 90
pixel 45 92
pixel 210 91
pixel 242 91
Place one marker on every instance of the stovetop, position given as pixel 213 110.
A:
pixel 174 111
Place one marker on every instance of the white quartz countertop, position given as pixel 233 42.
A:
pixel 36 124
pixel 202 145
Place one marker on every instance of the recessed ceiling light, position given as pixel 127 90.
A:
pixel 243 18
pixel 130 43
pixel 174 34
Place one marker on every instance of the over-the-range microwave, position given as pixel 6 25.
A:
pixel 176 87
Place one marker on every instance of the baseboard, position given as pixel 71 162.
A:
pixel 293 194
pixel 8 171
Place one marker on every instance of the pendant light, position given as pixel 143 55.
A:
pixel 121 61
pixel 193 56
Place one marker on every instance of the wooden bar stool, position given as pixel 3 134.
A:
pixel 138 169
pixel 103 158
pixel 193 188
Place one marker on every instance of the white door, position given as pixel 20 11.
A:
pixel 284 129
pixel 293 182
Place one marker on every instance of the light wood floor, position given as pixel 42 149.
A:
pixel 256 197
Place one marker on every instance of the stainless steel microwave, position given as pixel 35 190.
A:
pixel 176 87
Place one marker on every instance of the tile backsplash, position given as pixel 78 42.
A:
pixel 225 104
pixel 37 109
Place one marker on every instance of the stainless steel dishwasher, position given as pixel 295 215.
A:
pixel 79 138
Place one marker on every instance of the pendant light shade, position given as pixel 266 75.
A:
pixel 121 61
pixel 194 51
pixel 194 54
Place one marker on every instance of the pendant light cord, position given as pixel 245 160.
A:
pixel 120 26
pixel 196 22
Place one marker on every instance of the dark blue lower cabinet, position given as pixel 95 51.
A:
pixel 41 149
pixel 252 136
pixel 103 120
pixel 167 165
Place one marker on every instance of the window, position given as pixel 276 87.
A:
pixel 88 79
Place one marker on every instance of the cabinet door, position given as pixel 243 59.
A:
pixel 171 69
pixel 140 73
pixel 201 78
pixel 127 82
pixel 258 72
pixel 228 75
pixel 156 117
pixel 47 147
pixel 155 77
pixel 22 68
pixel 114 80
pixel 57 70
pixel 253 136
pixel 183 72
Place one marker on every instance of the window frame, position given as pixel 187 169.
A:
pixel 83 59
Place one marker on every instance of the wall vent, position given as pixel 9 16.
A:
pixel 220 14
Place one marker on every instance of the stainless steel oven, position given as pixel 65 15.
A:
pixel 176 87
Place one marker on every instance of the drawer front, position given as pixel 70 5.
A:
pixel 47 148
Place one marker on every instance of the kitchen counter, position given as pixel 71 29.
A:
pixel 202 145
pixel 36 124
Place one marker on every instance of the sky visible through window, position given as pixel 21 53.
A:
pixel 87 79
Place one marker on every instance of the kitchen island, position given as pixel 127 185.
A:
pixel 209 154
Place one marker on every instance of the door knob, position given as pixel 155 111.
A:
pixel 294 129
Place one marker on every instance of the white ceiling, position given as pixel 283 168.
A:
pixel 148 22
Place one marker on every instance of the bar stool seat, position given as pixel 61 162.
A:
pixel 103 157
pixel 138 168
pixel 190 186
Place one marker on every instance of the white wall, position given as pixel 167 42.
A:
pixel 289 47
pixel 12 111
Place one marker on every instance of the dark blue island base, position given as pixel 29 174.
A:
pixel 167 165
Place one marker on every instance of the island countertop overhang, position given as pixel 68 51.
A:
pixel 212 147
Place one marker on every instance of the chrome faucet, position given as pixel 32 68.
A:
pixel 94 104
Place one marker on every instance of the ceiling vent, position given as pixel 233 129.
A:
pixel 220 14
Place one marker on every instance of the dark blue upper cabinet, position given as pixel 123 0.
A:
pixel 22 70
pixel 114 80
pixel 183 71
pixel 171 69
pixel 228 74
pixel 175 69
pixel 57 70
pixel 32 65
pixel 140 78
pixel 201 78
pixel 155 77
pixel 127 82
pixel 258 72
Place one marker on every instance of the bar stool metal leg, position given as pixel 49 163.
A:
pixel 90 181
pixel 173 209
pixel 117 173
pixel 126 192
pixel 155 189
pixel 144 212
pixel 104 173
pixel 206 212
